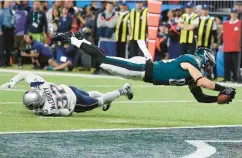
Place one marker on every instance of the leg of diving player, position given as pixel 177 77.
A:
pixel 91 100
pixel 133 68
pixel 92 95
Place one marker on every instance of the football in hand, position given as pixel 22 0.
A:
pixel 223 99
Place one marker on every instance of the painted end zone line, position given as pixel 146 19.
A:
pixel 125 129
pixel 204 149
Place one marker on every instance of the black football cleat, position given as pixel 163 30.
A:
pixel 106 107
pixel 62 37
pixel 129 94
pixel 79 35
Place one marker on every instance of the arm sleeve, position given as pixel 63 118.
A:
pixel 27 77
pixel 200 97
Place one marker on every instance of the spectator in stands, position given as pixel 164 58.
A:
pixel 238 6
pixel 94 4
pixel 53 25
pixel 65 21
pixel 36 23
pixel 7 27
pixel 188 23
pixel 64 59
pixel 73 10
pixel 178 13
pixel 106 23
pixel 71 6
pixel 95 37
pixel 49 14
pixel 207 29
pixel 161 51
pixel 41 55
pixel 87 21
pixel 1 39
pixel 198 10
pixel 88 24
pixel 231 41
pixel 44 6
pixel 122 30
pixel 19 43
pixel 138 28
pixel 22 5
pixel 219 24
pixel 174 48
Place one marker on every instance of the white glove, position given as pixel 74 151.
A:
pixel 7 85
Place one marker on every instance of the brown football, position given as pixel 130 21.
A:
pixel 222 98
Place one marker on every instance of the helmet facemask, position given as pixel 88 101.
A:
pixel 208 60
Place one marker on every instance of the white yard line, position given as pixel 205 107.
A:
pixel 13 90
pixel 112 86
pixel 87 76
pixel 126 129
pixel 61 74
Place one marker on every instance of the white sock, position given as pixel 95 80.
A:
pixel 111 96
pixel 78 43
pixel 95 94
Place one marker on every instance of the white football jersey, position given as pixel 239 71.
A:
pixel 57 97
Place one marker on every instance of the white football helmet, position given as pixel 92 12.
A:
pixel 34 99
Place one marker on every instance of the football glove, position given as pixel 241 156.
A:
pixel 7 85
pixel 230 92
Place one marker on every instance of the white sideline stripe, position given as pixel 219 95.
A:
pixel 203 149
pixel 14 90
pixel 125 129
pixel 61 74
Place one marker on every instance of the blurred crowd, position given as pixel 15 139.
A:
pixel 25 33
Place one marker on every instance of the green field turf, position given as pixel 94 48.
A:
pixel 152 106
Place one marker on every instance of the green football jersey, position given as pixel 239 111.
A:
pixel 170 72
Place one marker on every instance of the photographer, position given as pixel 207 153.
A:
pixel 65 58
pixel 39 53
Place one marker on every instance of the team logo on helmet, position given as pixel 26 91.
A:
pixel 208 60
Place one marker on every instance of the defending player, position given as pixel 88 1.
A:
pixel 185 70
pixel 48 99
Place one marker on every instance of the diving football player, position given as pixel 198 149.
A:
pixel 48 99
pixel 185 70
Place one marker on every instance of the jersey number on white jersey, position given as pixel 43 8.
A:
pixel 61 99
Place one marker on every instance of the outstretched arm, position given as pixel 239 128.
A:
pixel 198 77
pixel 27 77
pixel 200 96
pixel 206 83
